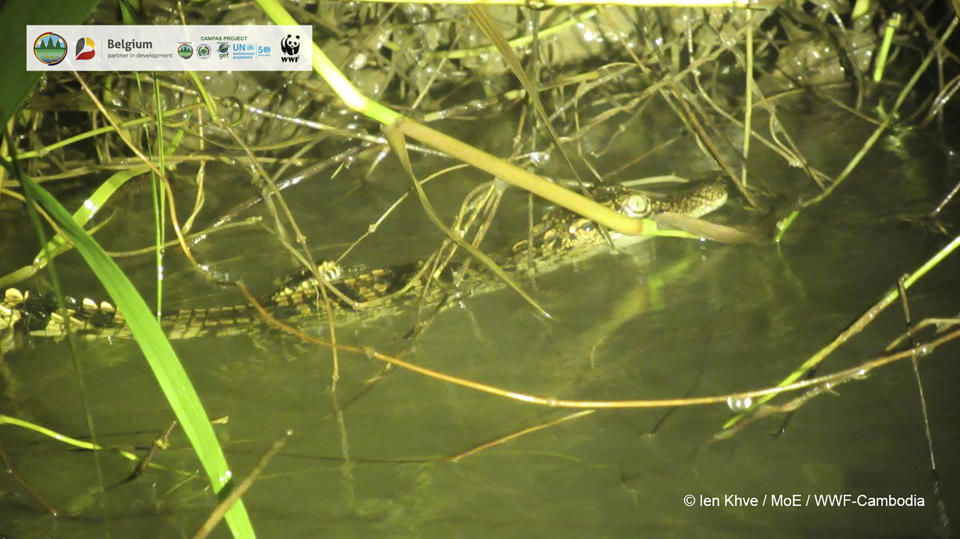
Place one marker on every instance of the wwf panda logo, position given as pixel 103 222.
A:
pixel 290 45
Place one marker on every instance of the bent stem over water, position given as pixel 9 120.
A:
pixel 357 102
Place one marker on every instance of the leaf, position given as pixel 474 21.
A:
pixel 163 361
pixel 14 18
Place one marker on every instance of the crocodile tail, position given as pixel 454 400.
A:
pixel 27 313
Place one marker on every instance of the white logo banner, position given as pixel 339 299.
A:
pixel 169 48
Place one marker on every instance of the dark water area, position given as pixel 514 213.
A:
pixel 663 319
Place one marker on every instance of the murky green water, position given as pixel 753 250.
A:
pixel 668 318
pixel 664 319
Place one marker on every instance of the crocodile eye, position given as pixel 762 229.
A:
pixel 636 206
pixel 581 225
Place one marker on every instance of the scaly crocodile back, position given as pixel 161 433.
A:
pixel 366 294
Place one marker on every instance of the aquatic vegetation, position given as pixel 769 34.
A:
pixel 463 145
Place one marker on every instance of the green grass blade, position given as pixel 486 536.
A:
pixel 173 380
pixel 14 16
pixel 90 207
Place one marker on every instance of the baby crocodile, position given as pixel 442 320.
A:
pixel 558 238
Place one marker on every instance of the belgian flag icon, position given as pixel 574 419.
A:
pixel 85 48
